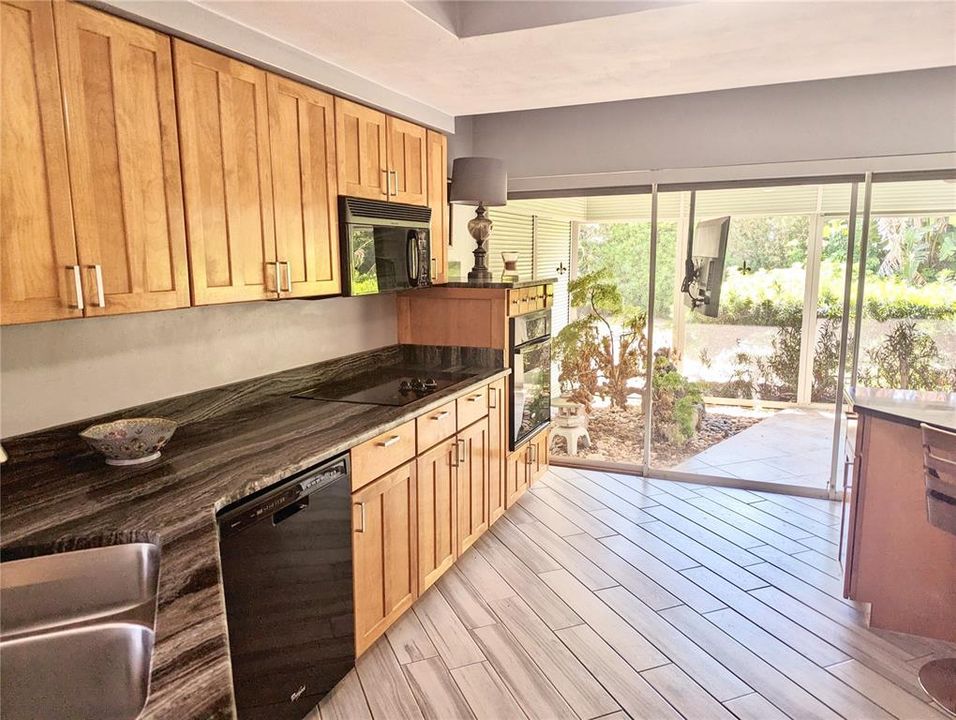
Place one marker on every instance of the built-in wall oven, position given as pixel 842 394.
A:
pixel 385 246
pixel 530 379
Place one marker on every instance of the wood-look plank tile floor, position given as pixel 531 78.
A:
pixel 605 596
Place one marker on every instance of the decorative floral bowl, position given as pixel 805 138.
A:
pixel 130 442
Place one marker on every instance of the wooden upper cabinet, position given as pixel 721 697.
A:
pixel 224 126
pixel 361 154
pixel 384 551
pixel 407 162
pixel 37 249
pixel 302 140
pixel 438 202
pixel 437 512
pixel 124 161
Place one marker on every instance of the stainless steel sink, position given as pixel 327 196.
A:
pixel 98 672
pixel 79 586
pixel 76 633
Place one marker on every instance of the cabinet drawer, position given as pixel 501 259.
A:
pixel 472 407
pixel 435 426
pixel 375 457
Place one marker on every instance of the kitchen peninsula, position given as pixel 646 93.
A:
pixel 889 535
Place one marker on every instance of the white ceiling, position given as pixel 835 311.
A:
pixel 466 58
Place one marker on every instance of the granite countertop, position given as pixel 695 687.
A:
pixel 499 284
pixel 911 407
pixel 59 495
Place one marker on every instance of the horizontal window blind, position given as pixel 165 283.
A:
pixel 552 249
pixel 512 232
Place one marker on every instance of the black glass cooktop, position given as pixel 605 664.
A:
pixel 387 386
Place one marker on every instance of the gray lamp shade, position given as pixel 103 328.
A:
pixel 479 180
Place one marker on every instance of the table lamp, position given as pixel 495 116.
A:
pixel 482 181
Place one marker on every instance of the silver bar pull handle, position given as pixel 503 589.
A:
pixel 391 441
pixel 441 415
pixel 98 277
pixel 362 509
pixel 434 268
pixel 277 265
pixel 77 286
pixel 460 445
pixel 492 397
pixel 288 275
pixel 386 187
pixel 394 174
pixel 476 398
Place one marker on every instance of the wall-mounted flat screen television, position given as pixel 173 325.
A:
pixel 704 268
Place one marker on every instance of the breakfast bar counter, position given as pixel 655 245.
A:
pixel 896 561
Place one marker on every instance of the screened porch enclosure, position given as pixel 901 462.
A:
pixel 752 393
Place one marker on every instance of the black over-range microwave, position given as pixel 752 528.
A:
pixel 385 246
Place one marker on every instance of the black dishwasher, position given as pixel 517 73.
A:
pixel 287 573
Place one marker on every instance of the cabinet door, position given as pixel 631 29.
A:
pixel 473 458
pixel 227 176
pixel 123 154
pixel 437 512
pixel 360 150
pixel 516 480
pixel 39 276
pixel 302 141
pixel 438 202
pixel 537 456
pixel 407 163
pixel 496 450
pixel 384 550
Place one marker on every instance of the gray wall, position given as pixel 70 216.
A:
pixel 58 372
pixel 898 114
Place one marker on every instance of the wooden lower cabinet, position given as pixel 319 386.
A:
pixel 537 456
pixel 497 434
pixel 525 466
pixel 384 552
pixel 437 512
pixel 473 449
pixel 412 523
pixel 516 480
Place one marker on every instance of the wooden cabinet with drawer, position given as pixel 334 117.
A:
pixel 436 425
pixel 384 552
pixel 446 496
pixel 528 299
pixel 472 407
pixel 377 456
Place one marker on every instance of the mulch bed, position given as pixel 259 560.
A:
pixel 618 436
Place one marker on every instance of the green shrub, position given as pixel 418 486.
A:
pixel 907 358
pixel 678 402
pixel 776 297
